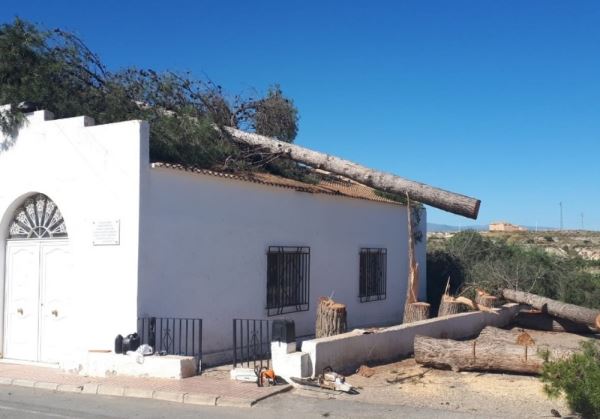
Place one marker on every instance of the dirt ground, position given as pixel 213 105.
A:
pixel 485 394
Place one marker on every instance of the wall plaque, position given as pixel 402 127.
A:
pixel 106 233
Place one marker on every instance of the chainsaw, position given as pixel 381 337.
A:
pixel 329 380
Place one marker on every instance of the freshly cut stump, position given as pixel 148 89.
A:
pixel 331 318
pixel 413 312
pixel 484 299
pixel 448 306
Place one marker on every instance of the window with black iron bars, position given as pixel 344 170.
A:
pixel 288 279
pixel 373 274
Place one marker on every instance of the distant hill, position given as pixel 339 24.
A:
pixel 443 228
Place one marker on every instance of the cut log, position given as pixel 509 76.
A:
pixel 571 312
pixel 449 306
pixel 543 321
pixel 438 198
pixel 495 350
pixel 483 299
pixel 413 312
pixel 476 356
pixel 331 318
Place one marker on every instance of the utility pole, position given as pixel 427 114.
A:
pixel 561 215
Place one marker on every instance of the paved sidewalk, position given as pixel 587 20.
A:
pixel 212 388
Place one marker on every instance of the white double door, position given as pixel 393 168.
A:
pixel 38 276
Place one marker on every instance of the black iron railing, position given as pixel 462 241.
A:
pixel 172 335
pixel 251 343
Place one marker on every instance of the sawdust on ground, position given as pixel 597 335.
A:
pixel 486 394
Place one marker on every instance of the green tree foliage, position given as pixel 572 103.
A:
pixel 578 378
pixel 56 71
pixel 474 261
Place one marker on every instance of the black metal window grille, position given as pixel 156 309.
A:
pixel 251 343
pixel 373 274
pixel 172 335
pixel 288 279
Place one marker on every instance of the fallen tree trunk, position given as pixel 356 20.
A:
pixel 543 321
pixel 571 312
pixel 438 198
pixel 476 356
pixel 496 350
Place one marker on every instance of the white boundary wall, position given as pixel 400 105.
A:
pixel 350 350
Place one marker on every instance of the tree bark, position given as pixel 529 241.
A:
pixel 495 350
pixel 543 321
pixel 413 312
pixel 438 198
pixel 331 318
pixel 571 312
pixel 449 306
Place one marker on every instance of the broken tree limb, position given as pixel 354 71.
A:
pixel 438 198
pixel 556 308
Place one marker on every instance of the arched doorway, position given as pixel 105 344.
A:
pixel 36 279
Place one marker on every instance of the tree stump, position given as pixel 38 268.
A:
pixel 413 312
pixel 449 306
pixel 484 299
pixel 331 318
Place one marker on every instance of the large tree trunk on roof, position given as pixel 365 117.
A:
pixel 438 198
pixel 571 312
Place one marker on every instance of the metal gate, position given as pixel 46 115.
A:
pixel 251 343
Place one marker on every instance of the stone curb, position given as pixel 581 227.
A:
pixel 202 399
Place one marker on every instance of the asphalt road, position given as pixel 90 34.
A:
pixel 21 402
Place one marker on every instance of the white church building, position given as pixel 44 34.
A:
pixel 93 237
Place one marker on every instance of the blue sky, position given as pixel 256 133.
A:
pixel 495 99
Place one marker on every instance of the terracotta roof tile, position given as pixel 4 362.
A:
pixel 329 184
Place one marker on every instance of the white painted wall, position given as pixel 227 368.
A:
pixel 91 173
pixel 350 350
pixel 204 241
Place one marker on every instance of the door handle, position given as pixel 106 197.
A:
pixel 20 311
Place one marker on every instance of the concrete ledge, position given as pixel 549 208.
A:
pixel 69 388
pixel 46 386
pixel 23 383
pixel 169 396
pixel 234 402
pixel 90 388
pixel 350 350
pixel 140 393
pixel 200 399
pixel 6 380
pixel 99 364
pixel 110 390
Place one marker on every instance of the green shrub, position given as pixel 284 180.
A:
pixel 578 378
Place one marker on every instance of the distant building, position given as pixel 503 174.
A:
pixel 504 226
